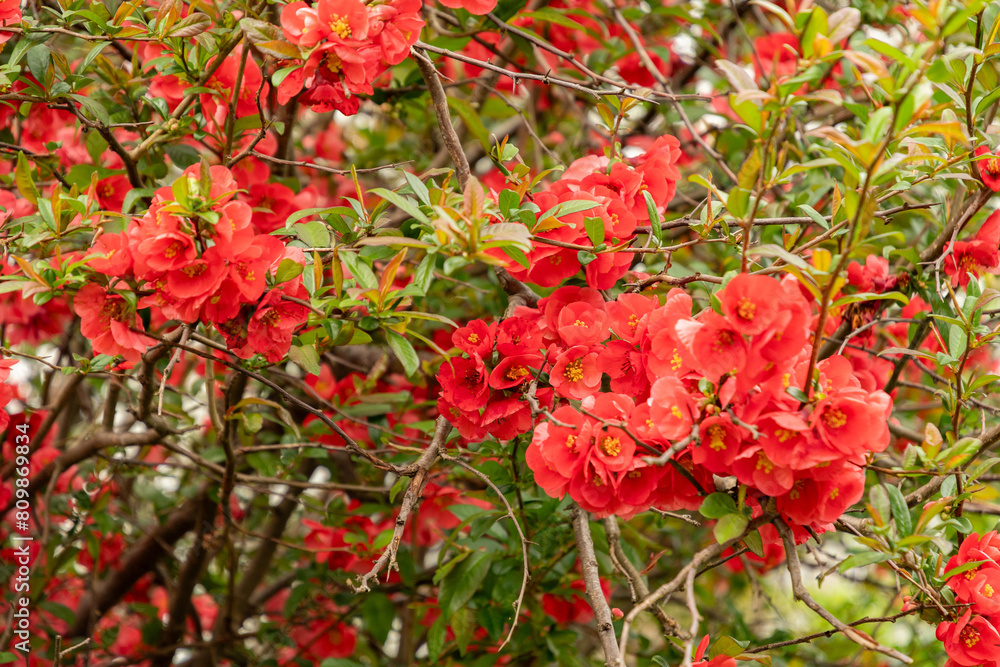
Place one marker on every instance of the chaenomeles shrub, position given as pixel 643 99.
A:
pixel 363 332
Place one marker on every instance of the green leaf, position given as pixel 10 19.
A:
pixel 860 560
pixel 463 582
pixel 463 623
pixel 314 234
pixel 569 207
pixel 401 202
pixel 435 639
pixel 423 277
pixel 38 58
pixel 400 484
pixel 736 75
pixel 25 183
pixel 965 567
pixel 957 341
pixel 517 255
pixel 900 511
pixel 306 357
pixel 771 250
pixel 554 16
pixel 289 269
pixel 727 646
pixel 418 187
pixel 95 108
pixel 717 505
pixel 404 351
pixel 378 612
pixel 959 453
pixel 655 223
pixel 870 296
pixel 754 543
pixel 730 527
pixel 595 230
pixel 360 270
pixel 816 217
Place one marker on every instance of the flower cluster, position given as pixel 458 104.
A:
pixel 195 255
pixel 974 639
pixel 618 190
pixel 346 45
pixel 720 392
pixel 482 391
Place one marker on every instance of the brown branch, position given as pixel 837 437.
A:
pixel 328 170
pixel 592 580
pixel 637 587
pixel 411 498
pixel 439 100
pixel 801 593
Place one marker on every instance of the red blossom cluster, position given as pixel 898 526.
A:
pixel 195 255
pixel 720 391
pixel 617 188
pixel 346 45
pixel 974 639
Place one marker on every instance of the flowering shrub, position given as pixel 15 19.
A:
pixel 453 332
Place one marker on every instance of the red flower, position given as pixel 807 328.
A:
pixel 270 329
pixel 507 418
pixel 575 373
pixel 671 409
pixel 582 324
pixel 614 449
pixel 982 252
pixel 343 20
pixel 10 13
pixel 851 421
pixel 873 276
pixel 547 476
pixel 970 641
pixel 751 303
pixel 715 343
pixel 107 320
pixel 476 337
pixel 165 252
pixel 594 488
pixel 468 422
pixel 754 468
pixel 989 169
pixel 199 278
pixel 564 447
pixel 623 363
pixel 719 444
pixel 626 313
pixel 516 335
pixel 514 371
pixel 464 382
pixel 115 256
pixel 778 54
pixel 395 26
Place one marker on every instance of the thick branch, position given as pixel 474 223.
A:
pixel 140 559
pixel 592 579
pixel 440 101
